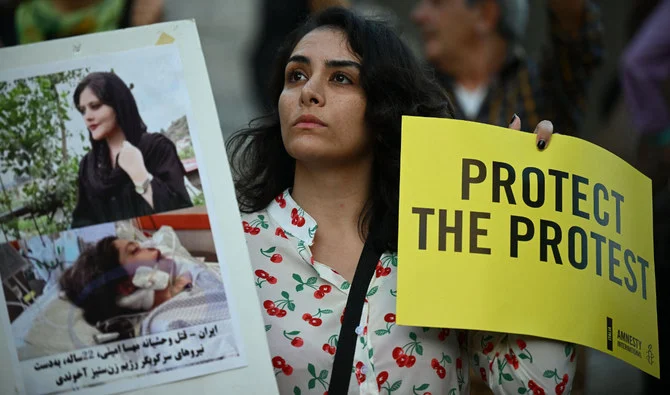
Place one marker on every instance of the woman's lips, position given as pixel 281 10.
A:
pixel 308 125
pixel 309 122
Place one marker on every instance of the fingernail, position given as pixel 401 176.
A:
pixel 513 118
pixel 541 144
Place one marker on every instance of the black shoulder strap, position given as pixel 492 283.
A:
pixel 346 344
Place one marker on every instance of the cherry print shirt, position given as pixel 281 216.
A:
pixel 303 302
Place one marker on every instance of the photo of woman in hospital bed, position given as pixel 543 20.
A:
pixel 123 280
pixel 120 278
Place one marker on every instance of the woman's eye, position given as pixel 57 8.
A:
pixel 296 75
pixel 341 79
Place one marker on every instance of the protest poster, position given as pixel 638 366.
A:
pixel 150 286
pixel 497 235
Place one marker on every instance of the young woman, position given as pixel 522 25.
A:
pixel 312 177
pixel 128 172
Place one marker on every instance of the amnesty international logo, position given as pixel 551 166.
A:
pixel 650 355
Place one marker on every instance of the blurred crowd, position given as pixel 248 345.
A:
pixel 479 52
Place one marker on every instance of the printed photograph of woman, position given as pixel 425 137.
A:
pixel 113 281
pixel 128 172
pixel 94 140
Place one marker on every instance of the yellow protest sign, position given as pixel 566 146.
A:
pixel 497 235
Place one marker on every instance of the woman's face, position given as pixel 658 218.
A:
pixel 322 105
pixel 130 253
pixel 100 118
pixel 131 256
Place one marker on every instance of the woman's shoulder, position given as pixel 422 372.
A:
pixel 155 139
pixel 83 162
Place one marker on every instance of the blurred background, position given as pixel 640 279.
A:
pixel 239 37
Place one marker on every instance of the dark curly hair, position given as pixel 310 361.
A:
pixel 91 282
pixel 395 84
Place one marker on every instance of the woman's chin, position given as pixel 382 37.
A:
pixel 98 135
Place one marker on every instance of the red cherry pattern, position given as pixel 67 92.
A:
pixel 381 379
pixel 329 348
pixel 297 219
pixel 263 277
pixel 322 291
pixel 438 368
pixel 270 253
pixel 537 390
pixel 389 318
pixel 276 308
pixel 381 271
pixel 360 377
pixel 405 358
pixel 560 387
pixel 254 227
pixel 296 341
pixel 401 355
pixel 521 344
pixel 261 274
pixel 512 359
pixel 281 201
pixel 280 232
pixel 278 362
pixel 281 366
pixel 315 320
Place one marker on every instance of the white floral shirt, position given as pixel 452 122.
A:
pixel 303 302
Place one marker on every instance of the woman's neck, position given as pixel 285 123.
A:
pixel 333 196
pixel 115 143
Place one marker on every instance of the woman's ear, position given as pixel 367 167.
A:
pixel 125 287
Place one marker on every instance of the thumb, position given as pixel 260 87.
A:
pixel 515 123
pixel 543 133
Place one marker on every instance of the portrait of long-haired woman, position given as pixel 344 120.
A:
pixel 128 172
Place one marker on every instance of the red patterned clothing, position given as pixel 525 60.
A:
pixel 303 302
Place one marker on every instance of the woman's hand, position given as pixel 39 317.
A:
pixel 181 283
pixel 130 159
pixel 543 131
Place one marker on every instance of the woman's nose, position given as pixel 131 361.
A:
pixel 311 93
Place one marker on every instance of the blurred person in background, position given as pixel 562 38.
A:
pixel 41 20
pixel 475 46
pixel 277 20
pixel 645 76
